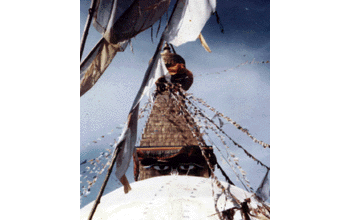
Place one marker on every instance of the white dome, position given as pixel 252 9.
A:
pixel 166 197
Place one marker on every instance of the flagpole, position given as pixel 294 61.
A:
pixel 97 201
pixel 87 26
pixel 117 149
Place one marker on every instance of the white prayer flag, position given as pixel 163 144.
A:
pixel 159 69
pixel 126 144
pixel 264 189
pixel 118 22
pixel 188 20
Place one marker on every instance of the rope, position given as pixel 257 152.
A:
pixel 227 151
pixel 235 143
pixel 245 210
pixel 98 170
pixel 236 162
pixel 239 127
pixel 225 175
pixel 218 21
pixel 211 142
pixel 242 64
pixel 86 190
pixel 201 146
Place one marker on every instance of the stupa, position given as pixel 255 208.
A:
pixel 168 145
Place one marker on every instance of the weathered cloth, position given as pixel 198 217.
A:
pixel 118 22
pixel 189 18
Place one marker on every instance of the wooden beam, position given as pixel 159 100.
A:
pixel 87 26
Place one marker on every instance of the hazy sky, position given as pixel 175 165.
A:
pixel 246 38
pixel 309 99
pixel 243 94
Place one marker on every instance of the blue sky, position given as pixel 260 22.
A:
pixel 309 93
pixel 243 94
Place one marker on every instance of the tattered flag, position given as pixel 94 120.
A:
pixel 263 191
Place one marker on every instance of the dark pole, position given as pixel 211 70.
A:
pixel 97 201
pixel 87 26
pixel 117 150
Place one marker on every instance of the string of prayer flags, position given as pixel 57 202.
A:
pixel 239 127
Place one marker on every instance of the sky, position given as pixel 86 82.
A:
pixel 241 93
pixel 309 93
